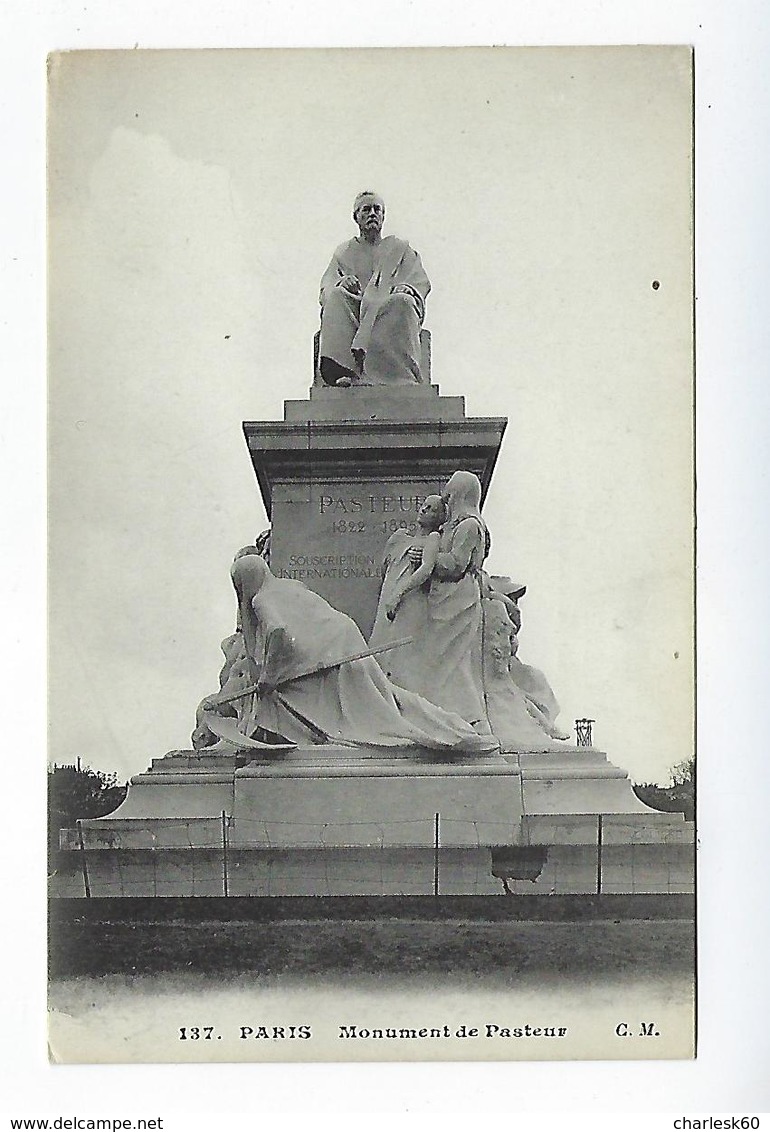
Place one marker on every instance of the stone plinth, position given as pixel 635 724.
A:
pixel 575 780
pixel 375 402
pixel 183 784
pixel 335 796
pixel 332 820
pixel 348 468
pixel 326 820
pixel 317 796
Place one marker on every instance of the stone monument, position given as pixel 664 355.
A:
pixel 372 712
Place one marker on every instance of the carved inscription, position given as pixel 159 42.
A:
pixel 304 566
pixel 344 540
pixel 369 504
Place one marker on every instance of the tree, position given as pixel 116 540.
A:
pixel 679 797
pixel 683 786
pixel 79 792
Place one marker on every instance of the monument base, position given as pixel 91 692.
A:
pixel 318 796
pixel 340 821
pixel 575 780
pixel 341 796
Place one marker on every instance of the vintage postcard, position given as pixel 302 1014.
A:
pixel 371 555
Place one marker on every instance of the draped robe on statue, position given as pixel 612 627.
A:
pixel 454 612
pixel 541 701
pixel 443 663
pixel 539 693
pixel 411 666
pixel 353 703
pixel 384 326
pixel 222 723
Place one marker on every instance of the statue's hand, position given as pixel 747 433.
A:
pixel 391 607
pixel 405 289
pixel 265 688
pixel 209 704
pixel 415 555
pixel 350 283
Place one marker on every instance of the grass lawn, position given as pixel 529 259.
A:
pixel 501 950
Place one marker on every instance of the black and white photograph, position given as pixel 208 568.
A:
pixel 371 561
pixel 384 442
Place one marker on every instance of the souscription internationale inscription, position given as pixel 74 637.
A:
pixel 305 566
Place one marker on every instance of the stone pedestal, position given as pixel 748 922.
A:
pixel 343 471
pixel 317 821
pixel 334 796
pixel 349 467
pixel 575 780
pixel 325 796
pixel 183 784
pixel 332 821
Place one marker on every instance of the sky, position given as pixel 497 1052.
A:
pixel 194 201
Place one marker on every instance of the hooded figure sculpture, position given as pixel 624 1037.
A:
pixel 402 610
pixel 290 633
pixel 444 662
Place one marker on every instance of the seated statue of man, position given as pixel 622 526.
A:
pixel 372 305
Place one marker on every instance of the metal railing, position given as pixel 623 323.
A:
pixel 435 854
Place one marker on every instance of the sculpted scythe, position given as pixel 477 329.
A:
pixel 226 727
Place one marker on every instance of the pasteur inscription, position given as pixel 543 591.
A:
pixel 333 538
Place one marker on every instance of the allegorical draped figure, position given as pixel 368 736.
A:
pixel 541 701
pixel 221 716
pixel 372 305
pixel 312 684
pixel 444 662
pixel 402 610
pixel 218 717
pixel 463 629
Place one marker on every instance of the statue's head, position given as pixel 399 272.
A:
pixel 262 543
pixel 244 551
pixel 506 590
pixel 249 573
pixel 462 494
pixel 369 212
pixel 432 514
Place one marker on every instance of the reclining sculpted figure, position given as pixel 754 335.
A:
pixel 309 681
